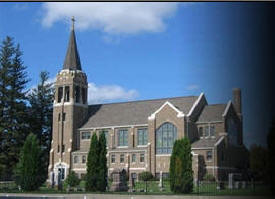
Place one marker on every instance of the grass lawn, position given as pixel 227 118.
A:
pixel 152 188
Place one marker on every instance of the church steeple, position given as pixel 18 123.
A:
pixel 72 60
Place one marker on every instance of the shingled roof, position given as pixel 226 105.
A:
pixel 205 143
pixel 132 113
pixel 212 113
pixel 72 60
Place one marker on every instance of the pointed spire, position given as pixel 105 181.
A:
pixel 72 60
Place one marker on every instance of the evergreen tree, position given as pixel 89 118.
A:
pixel 92 165
pixel 258 157
pixel 41 110
pixel 29 165
pixel 102 163
pixel 181 174
pixel 13 109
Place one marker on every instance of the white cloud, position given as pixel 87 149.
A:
pixel 193 87
pixel 99 94
pixel 111 17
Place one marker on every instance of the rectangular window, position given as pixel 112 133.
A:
pixel 59 116
pixel 133 157
pixel 113 158
pixel 60 94
pixel 63 116
pixel 63 148
pixel 134 176
pixel 201 131
pixel 121 158
pixel 141 157
pixel 77 94
pixel 106 132
pixel 142 136
pixel 123 137
pixel 58 149
pixel 209 155
pixel 76 159
pixel 83 159
pixel 212 130
pixel 84 96
pixel 85 135
pixel 206 131
pixel 67 94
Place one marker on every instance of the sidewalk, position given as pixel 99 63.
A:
pixel 117 196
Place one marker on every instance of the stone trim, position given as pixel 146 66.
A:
pixel 195 104
pixel 113 127
pixel 227 108
pixel 153 115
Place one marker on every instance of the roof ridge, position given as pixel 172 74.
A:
pixel 166 98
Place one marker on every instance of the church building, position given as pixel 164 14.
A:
pixel 140 134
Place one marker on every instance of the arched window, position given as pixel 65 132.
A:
pixel 165 137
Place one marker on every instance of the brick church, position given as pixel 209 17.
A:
pixel 140 134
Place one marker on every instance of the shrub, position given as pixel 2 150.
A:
pixel 145 176
pixel 209 177
pixel 72 180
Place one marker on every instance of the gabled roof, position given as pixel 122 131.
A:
pixel 72 60
pixel 132 113
pixel 212 113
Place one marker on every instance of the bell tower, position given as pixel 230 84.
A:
pixel 70 111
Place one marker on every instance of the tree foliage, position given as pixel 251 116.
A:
pixel 29 165
pixel 145 176
pixel 102 163
pixel 40 114
pixel 72 180
pixel 92 165
pixel 258 162
pixel 96 177
pixel 181 174
pixel 13 109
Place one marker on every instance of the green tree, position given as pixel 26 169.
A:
pixel 29 165
pixel 258 162
pixel 72 180
pixel 145 176
pixel 181 174
pixel 41 111
pixel 92 165
pixel 102 163
pixel 13 109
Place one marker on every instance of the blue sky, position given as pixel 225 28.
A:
pixel 139 51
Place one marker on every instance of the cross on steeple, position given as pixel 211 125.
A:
pixel 73 20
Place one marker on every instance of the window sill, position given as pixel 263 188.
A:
pixel 121 147
pixel 142 145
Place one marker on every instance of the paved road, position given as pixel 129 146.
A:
pixel 117 196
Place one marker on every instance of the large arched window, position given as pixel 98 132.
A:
pixel 165 137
